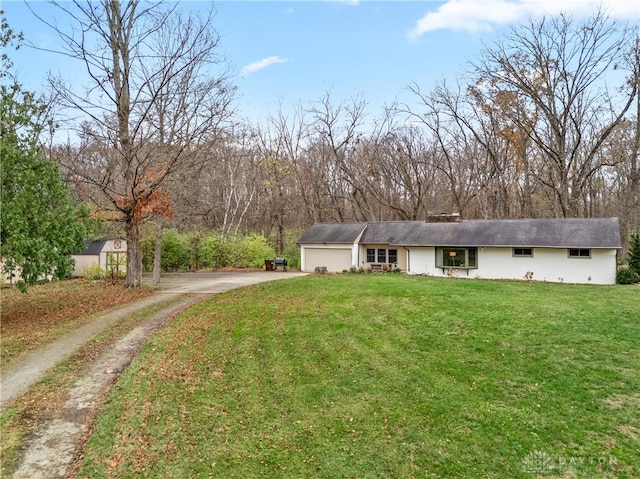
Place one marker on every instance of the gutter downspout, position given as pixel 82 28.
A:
pixel 357 243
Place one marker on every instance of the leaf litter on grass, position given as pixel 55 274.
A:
pixel 307 385
pixel 32 319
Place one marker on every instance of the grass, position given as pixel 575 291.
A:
pixel 383 376
pixel 38 317
pixel 46 312
pixel 44 401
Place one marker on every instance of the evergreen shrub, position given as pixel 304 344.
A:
pixel 626 275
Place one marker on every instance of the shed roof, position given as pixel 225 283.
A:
pixel 543 233
pixel 95 247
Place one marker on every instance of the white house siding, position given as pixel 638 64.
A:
pixel 546 264
pixel 6 278
pixel 86 262
pixel 422 260
pixel 335 257
pixel 110 247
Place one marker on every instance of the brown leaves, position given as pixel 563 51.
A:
pixel 145 196
pixel 39 316
pixel 145 206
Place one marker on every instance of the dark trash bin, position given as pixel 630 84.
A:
pixel 268 265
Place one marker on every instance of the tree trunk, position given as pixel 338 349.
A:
pixel 157 250
pixel 134 254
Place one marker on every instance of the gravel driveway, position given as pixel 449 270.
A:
pixel 56 447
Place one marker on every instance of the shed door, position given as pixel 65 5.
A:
pixel 335 260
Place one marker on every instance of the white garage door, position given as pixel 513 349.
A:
pixel 335 260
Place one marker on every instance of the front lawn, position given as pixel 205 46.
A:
pixel 373 376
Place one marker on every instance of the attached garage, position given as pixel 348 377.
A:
pixel 334 259
pixel 334 248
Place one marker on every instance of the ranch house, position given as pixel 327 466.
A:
pixel 573 250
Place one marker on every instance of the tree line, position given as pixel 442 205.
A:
pixel 544 123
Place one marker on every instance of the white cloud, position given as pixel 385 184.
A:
pixel 483 15
pixel 260 64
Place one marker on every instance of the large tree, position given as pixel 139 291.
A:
pixel 40 226
pixel 560 75
pixel 156 92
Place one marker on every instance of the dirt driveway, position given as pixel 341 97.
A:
pixel 57 446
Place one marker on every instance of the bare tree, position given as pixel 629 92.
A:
pixel 156 93
pixel 290 135
pixel 238 179
pixel 223 185
pixel 559 70
pixel 395 164
pixel 336 129
pixel 627 149
pixel 458 156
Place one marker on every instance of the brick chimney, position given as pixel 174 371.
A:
pixel 444 218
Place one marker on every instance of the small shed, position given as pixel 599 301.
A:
pixel 101 254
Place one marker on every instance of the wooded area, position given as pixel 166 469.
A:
pixel 545 123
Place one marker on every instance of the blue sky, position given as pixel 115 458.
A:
pixel 289 52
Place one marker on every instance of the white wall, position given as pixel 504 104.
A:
pixel 422 261
pixel 6 277
pixel 110 245
pixel 84 263
pixel 332 257
pixel 547 264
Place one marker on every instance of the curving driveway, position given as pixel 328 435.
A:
pixel 23 374
pixel 58 445
pixel 216 281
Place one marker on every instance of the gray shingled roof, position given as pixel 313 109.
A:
pixel 390 232
pixel 332 233
pixel 94 247
pixel 543 233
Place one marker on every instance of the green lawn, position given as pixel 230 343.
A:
pixel 383 376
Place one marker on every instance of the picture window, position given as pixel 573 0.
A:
pixel 463 258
